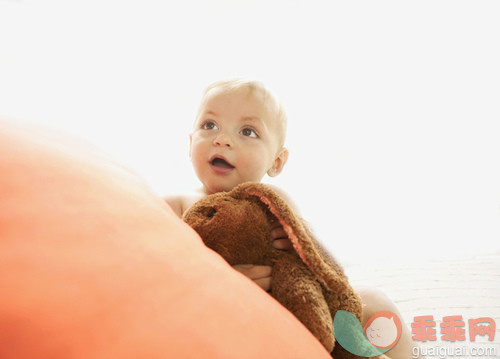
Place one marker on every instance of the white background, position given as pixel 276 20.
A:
pixel 394 106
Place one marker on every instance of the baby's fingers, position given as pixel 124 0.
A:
pixel 283 243
pixel 278 232
pixel 261 275
pixel 254 271
pixel 264 283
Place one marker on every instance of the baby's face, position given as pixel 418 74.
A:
pixel 234 140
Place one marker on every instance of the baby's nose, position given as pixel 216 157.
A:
pixel 223 140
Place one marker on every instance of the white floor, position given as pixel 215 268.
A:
pixel 467 286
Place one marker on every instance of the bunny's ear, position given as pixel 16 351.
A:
pixel 319 262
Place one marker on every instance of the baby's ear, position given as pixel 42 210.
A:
pixel 278 163
pixel 190 144
pixel 299 234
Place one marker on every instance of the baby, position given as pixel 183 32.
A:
pixel 238 137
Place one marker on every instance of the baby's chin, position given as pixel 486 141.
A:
pixel 212 186
pixel 216 188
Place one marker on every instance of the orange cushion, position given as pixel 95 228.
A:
pixel 94 265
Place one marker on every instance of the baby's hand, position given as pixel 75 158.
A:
pixel 261 275
pixel 280 238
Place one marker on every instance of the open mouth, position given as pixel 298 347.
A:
pixel 221 163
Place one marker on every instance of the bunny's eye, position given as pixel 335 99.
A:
pixel 211 212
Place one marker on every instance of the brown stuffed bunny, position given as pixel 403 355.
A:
pixel 307 281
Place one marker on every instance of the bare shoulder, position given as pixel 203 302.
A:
pixel 175 202
pixel 181 202
pixel 288 199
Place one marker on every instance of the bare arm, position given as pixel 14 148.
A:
pixel 281 240
pixel 175 202
pixel 287 198
pixel 181 202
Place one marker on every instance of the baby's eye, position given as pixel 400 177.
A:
pixel 208 125
pixel 249 132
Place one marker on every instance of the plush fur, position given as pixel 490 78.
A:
pixel 307 281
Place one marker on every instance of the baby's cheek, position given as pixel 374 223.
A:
pixel 253 167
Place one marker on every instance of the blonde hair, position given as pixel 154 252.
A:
pixel 269 100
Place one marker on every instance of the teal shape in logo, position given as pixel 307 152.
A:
pixel 350 335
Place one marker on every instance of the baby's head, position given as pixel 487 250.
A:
pixel 238 135
pixel 253 89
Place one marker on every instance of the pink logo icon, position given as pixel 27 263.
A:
pixel 383 329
